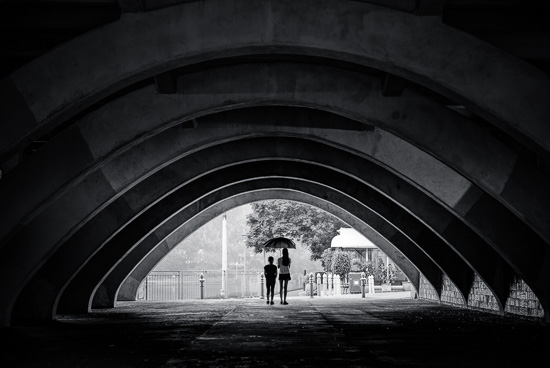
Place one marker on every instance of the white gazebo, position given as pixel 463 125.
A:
pixel 351 239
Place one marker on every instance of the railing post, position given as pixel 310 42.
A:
pixel 261 285
pixel 363 284
pixel 330 288
pixel 325 284
pixel 311 284
pixel 337 286
pixel 201 280
pixel 371 284
pixel 319 290
pixel 146 287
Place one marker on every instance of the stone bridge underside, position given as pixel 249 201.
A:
pixel 429 141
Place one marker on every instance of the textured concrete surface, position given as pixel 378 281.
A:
pixel 347 331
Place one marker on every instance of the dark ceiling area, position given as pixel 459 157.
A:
pixel 30 28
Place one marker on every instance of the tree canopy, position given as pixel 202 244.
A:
pixel 341 263
pixel 308 225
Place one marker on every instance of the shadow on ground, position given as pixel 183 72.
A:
pixel 319 332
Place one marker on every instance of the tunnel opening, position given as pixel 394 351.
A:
pixel 177 276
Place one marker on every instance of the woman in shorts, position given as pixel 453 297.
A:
pixel 283 264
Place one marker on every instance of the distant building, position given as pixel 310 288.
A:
pixel 351 240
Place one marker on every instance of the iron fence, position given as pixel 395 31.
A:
pixel 182 285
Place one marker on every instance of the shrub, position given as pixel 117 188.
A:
pixel 386 274
pixel 341 264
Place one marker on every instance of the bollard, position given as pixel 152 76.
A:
pixel 319 292
pixel 371 284
pixel 311 284
pixel 201 279
pixel 325 285
pixel 329 285
pixel 337 285
pixel 363 284
pixel 261 285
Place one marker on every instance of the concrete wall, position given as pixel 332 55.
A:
pixel 481 297
pixel 521 301
pixel 450 294
pixel 426 290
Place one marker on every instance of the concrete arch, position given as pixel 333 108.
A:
pixel 417 48
pixel 123 281
pixel 466 200
pixel 104 224
pixel 431 127
pixel 103 259
pixel 82 239
pixel 105 295
pixel 76 297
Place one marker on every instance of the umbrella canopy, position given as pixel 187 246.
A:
pixel 279 243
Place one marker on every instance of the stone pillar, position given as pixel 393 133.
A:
pixel 337 283
pixel 371 284
pixel 319 287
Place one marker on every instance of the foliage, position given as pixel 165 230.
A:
pixel 309 226
pixel 326 259
pixel 369 268
pixel 359 266
pixel 385 274
pixel 341 263
pixel 202 249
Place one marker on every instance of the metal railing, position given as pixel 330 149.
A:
pixel 183 285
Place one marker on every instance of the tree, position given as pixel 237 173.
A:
pixel 326 259
pixel 341 263
pixel 306 224
pixel 386 274
pixel 357 265
pixel 360 266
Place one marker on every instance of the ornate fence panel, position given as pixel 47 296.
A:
pixel 184 285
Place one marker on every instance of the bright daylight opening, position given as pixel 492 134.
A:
pixel 330 258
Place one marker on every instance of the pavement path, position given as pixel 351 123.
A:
pixel 379 331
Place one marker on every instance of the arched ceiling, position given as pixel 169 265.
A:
pixel 434 138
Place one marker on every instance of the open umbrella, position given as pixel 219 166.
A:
pixel 279 243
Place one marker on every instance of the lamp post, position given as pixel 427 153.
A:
pixel 224 255
pixel 363 283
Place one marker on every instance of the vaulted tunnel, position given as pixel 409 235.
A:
pixel 423 136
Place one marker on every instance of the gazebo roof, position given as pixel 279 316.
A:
pixel 350 238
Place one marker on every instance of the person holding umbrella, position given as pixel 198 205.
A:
pixel 283 264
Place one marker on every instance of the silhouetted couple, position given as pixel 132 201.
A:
pixel 270 272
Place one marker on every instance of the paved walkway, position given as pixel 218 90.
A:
pixel 321 332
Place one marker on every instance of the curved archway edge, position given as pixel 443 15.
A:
pixel 123 282
pixel 417 48
pixel 228 153
pixel 431 127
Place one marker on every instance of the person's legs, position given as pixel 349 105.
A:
pixel 272 287
pixel 286 284
pixel 281 290
pixel 270 284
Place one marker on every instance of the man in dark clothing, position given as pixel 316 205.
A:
pixel 270 273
